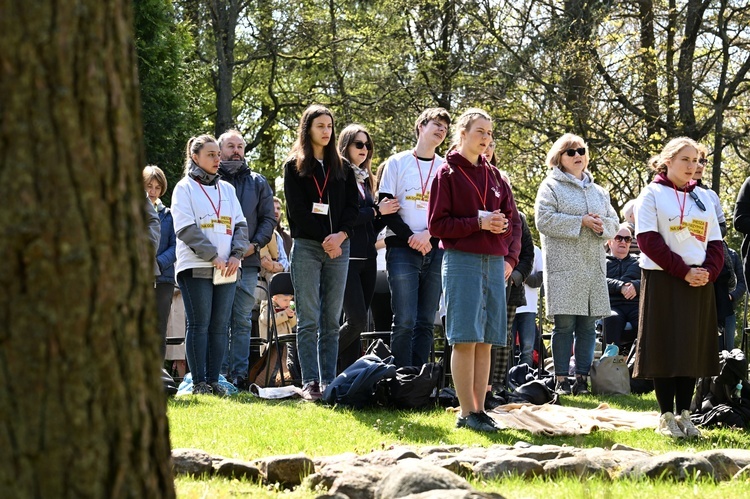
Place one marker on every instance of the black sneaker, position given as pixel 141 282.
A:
pixel 218 389
pixel 202 388
pixel 477 421
pixel 488 419
pixel 580 387
pixel 492 401
pixel 241 383
pixel 563 387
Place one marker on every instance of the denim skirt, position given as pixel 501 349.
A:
pixel 474 288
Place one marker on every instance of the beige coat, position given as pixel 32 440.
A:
pixel 284 323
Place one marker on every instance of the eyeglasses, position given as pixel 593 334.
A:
pixel 572 152
pixel 623 239
pixel 703 161
pixel 361 145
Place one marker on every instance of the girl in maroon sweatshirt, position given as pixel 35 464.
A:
pixel 473 213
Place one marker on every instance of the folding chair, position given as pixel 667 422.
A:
pixel 280 284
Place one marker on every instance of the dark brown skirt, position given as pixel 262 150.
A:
pixel 678 332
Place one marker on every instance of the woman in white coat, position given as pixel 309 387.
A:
pixel 575 218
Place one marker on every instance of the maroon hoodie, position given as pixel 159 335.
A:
pixel 455 200
pixel 653 245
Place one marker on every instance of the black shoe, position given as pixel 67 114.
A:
pixel 486 418
pixel 477 421
pixel 202 388
pixel 563 387
pixel 492 401
pixel 218 390
pixel 580 387
pixel 241 383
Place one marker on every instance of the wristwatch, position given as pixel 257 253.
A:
pixel 257 248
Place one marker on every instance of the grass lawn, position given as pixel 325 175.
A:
pixel 247 428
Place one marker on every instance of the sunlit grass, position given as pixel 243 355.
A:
pixel 247 428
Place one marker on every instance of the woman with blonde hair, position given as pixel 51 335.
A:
pixel 681 256
pixel 473 213
pixel 575 218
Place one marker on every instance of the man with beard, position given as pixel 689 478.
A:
pixel 256 199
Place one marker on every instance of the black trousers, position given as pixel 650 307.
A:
pixel 360 287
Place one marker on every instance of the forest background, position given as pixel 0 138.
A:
pixel 626 75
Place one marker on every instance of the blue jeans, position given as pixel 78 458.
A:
pixel 236 361
pixel 207 310
pixel 566 326
pixel 525 324
pixel 319 284
pixel 416 285
pixel 726 340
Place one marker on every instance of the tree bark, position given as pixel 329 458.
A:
pixel 83 411
pixel 224 17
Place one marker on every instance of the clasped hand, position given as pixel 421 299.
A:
pixel 593 222
pixel 697 277
pixel 495 222
pixel 332 244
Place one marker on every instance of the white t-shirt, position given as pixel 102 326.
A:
pixel 532 294
pixel 192 204
pixel 410 185
pixel 657 209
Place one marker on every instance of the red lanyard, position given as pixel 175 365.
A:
pixel 218 188
pixel 325 182
pixel 422 183
pixel 483 199
pixel 684 200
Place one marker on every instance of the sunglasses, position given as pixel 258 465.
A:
pixel 623 239
pixel 697 200
pixel 361 145
pixel 572 152
pixel 703 161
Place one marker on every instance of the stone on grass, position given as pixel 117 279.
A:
pixel 577 466
pixel 724 466
pixel 544 452
pixel 514 466
pixel 358 482
pixel 235 468
pixel 191 462
pixel 433 449
pixel 614 460
pixel 287 470
pixel 675 465
pixel 740 456
pixel 412 476
pixel 454 494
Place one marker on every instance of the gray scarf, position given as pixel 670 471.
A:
pixel 232 167
pixel 202 176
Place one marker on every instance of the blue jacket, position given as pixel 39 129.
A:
pixel 165 254
pixel 256 199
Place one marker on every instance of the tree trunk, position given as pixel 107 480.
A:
pixel 83 411
pixel 649 89
pixel 224 16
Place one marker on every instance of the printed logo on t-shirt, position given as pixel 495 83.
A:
pixel 226 221
pixel 698 228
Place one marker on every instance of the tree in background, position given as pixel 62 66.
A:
pixel 169 119
pixel 83 410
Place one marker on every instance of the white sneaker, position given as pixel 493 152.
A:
pixel 668 426
pixel 687 426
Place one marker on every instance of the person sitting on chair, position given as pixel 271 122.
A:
pixel 286 322
pixel 624 283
